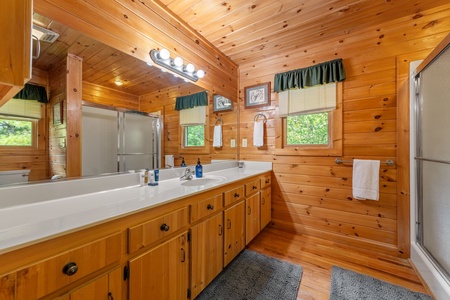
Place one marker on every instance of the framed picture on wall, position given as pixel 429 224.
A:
pixel 58 113
pixel 257 95
pixel 222 104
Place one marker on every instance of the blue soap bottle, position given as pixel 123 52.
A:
pixel 198 169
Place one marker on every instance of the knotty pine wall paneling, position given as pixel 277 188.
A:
pixel 311 194
pixel 163 102
pixel 57 133
pixel 136 27
pixel 33 159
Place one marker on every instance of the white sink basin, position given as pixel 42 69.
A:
pixel 207 180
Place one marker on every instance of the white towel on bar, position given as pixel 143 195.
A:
pixel 258 134
pixel 217 139
pixel 366 177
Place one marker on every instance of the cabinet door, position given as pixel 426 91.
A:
pixel 161 273
pixel 97 289
pixel 207 253
pixel 7 287
pixel 266 207
pixel 234 223
pixel 106 287
pixel 252 217
pixel 15 52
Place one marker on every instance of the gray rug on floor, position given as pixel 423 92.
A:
pixel 349 285
pixel 255 276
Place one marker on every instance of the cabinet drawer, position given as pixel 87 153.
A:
pixel 206 207
pixel 234 195
pixel 266 181
pixel 52 274
pixel 149 232
pixel 252 187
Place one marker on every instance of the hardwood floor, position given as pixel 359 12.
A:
pixel 317 256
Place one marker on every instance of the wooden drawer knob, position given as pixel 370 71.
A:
pixel 70 269
pixel 165 227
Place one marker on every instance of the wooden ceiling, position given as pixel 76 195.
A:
pixel 248 31
pixel 102 65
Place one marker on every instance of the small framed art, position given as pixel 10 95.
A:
pixel 222 104
pixel 257 95
pixel 58 113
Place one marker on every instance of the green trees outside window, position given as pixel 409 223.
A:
pixel 16 132
pixel 311 129
pixel 194 136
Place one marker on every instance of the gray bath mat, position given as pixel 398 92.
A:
pixel 349 285
pixel 255 276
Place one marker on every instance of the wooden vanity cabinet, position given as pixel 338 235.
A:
pixel 15 52
pixel 266 206
pixel 52 274
pixel 162 272
pixel 252 217
pixel 156 229
pixel 106 287
pixel 7 287
pixel 207 252
pixel 234 225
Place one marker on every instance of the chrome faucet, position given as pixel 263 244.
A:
pixel 187 174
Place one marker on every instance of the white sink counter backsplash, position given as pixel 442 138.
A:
pixel 34 212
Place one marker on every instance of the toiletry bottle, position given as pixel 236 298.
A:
pixel 198 169
pixel 146 177
pixel 183 164
pixel 151 177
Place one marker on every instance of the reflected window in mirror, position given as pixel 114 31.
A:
pixel 17 132
pixel 194 136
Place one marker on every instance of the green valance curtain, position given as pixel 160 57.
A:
pixel 330 71
pixel 191 101
pixel 32 92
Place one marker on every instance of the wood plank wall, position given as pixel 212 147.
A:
pixel 57 133
pixel 163 103
pixel 312 195
pixel 125 25
pixel 34 160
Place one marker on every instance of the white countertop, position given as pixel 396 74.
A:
pixel 28 223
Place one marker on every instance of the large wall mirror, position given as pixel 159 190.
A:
pixel 114 81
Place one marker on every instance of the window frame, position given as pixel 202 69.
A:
pixel 334 147
pixel 34 134
pixel 312 146
pixel 183 149
pixel 184 137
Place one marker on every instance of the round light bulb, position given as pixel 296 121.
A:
pixel 164 54
pixel 200 73
pixel 190 68
pixel 178 61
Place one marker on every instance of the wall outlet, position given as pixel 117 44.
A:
pixel 233 143
pixel 244 142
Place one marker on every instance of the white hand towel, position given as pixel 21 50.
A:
pixel 217 139
pixel 258 134
pixel 366 179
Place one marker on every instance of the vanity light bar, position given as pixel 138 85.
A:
pixel 175 65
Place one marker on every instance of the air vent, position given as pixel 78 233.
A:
pixel 44 35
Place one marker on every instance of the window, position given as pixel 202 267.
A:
pixel 194 136
pixel 17 132
pixel 310 121
pixel 309 129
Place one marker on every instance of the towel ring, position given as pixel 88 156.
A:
pixel 260 115
pixel 218 120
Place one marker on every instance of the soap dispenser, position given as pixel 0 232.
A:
pixel 183 164
pixel 198 169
